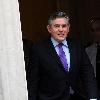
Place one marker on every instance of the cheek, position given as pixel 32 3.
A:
pixel 66 31
pixel 54 32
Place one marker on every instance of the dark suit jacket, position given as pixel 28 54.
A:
pixel 47 79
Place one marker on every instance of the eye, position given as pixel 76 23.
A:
pixel 64 25
pixel 56 26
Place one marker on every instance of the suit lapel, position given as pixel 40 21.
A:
pixel 72 54
pixel 52 52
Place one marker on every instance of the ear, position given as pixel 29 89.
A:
pixel 68 28
pixel 49 28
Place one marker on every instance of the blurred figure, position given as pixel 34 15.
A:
pixel 93 50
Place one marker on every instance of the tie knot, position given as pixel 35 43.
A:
pixel 60 45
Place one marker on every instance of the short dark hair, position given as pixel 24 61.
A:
pixel 95 20
pixel 58 14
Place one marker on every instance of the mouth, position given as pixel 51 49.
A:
pixel 61 34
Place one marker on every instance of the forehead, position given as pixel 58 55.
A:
pixel 60 21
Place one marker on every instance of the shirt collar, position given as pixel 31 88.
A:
pixel 55 43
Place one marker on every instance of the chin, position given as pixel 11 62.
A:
pixel 60 40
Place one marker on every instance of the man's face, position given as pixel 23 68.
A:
pixel 59 29
pixel 96 32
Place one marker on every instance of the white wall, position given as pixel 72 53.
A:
pixel 13 84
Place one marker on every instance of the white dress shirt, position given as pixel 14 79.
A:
pixel 65 49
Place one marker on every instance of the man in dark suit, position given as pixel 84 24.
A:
pixel 93 50
pixel 58 63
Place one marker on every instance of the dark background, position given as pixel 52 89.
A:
pixel 34 15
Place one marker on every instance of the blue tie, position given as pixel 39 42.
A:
pixel 63 56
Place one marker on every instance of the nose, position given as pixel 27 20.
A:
pixel 60 28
